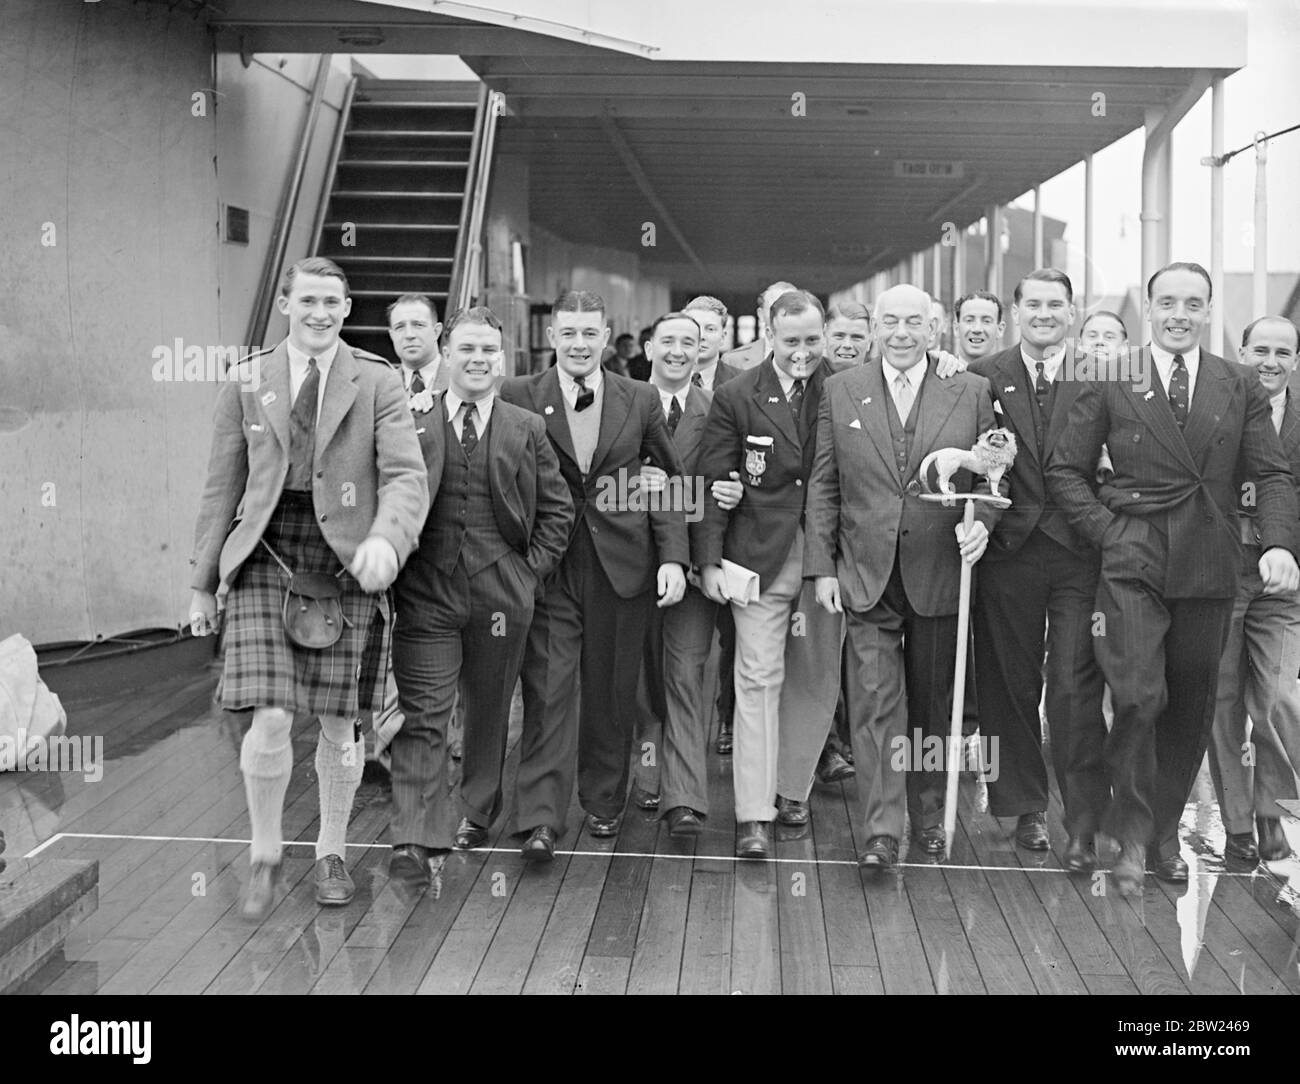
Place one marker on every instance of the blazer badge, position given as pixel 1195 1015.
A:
pixel 268 398
pixel 756 449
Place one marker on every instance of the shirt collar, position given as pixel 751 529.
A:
pixel 1163 358
pixel 787 382
pixel 454 403
pixel 323 361
pixel 666 397
pixel 569 386
pixel 914 375
pixel 1278 401
pixel 1051 362
pixel 708 372
pixel 428 372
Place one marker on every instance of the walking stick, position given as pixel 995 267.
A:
pixel 993 453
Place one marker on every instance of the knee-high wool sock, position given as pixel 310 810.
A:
pixel 338 774
pixel 266 778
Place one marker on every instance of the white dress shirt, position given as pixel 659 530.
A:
pixel 569 389
pixel 457 417
pixel 666 398
pixel 1278 403
pixel 708 375
pixel 298 370
pixel 1051 364
pixel 1165 366
pixel 787 382
pixel 914 377
pixel 428 373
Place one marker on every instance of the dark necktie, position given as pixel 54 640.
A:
pixel 796 405
pixel 417 383
pixel 674 416
pixel 697 380
pixel 1042 389
pixel 1179 395
pixel 468 432
pixel 585 395
pixel 302 431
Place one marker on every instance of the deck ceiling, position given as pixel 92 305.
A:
pixel 739 187
pixel 756 191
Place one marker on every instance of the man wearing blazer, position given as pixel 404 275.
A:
pixel 1038 572
pixel 315 464
pixel 761 425
pixel 755 352
pixel 1180 437
pixel 587 633
pixel 892 562
pixel 1262 656
pixel 498 522
pixel 710 373
pixel 680 638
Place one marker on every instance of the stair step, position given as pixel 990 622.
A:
pixel 398 163
pixel 373 193
pixel 381 103
pixel 412 260
pixel 408 133
pixel 392 226
pixel 391 293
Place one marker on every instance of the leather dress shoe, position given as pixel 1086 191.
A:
pixel 1031 831
pixel 334 888
pixel 643 799
pixel 1171 870
pixel 602 827
pixel 259 893
pixel 409 863
pixel 1273 845
pixel 724 738
pixel 930 840
pixel 470 835
pixel 1080 855
pixel 881 853
pixel 832 767
pixel 1128 873
pixel 684 821
pixel 754 839
pixel 791 812
pixel 1241 846
pixel 540 846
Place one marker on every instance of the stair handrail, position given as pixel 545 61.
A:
pixel 288 204
pixel 496 101
pixel 459 254
pixel 332 166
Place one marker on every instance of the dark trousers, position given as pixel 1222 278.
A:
pixel 579 679
pixel 1044 583
pixel 901 670
pixel 1160 657
pixel 726 660
pixel 466 632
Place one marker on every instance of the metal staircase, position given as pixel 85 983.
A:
pixel 408 173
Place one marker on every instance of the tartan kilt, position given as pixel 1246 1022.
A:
pixel 263 667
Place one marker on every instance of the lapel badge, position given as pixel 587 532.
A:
pixel 866 401
pixel 268 398
pixel 1149 396
pixel 1010 389
pixel 549 410
pixel 773 399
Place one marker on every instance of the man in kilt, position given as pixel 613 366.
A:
pixel 315 468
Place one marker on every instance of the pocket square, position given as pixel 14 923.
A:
pixel 255 427
pixel 997 407
pixel 855 424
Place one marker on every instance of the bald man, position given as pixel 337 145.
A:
pixel 892 562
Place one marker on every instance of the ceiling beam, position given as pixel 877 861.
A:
pixel 629 158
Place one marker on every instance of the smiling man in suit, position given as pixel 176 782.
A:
pixel 892 562
pixel 1181 442
pixel 315 469
pixel 584 647
pixel 1262 657
pixel 1038 572
pixel 499 521
pixel 786 671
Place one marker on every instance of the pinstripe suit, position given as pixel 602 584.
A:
pixel 1170 566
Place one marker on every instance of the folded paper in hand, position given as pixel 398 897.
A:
pixel 742 584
